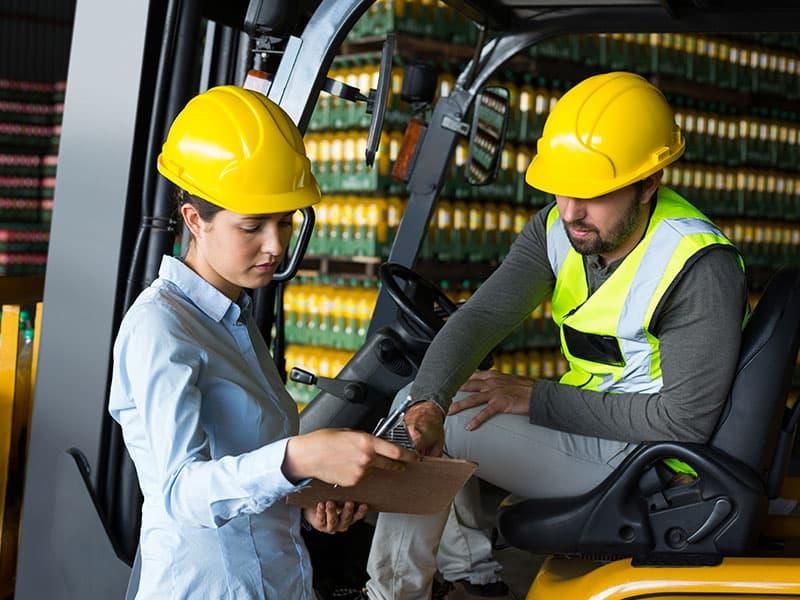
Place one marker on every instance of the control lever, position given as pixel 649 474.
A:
pixel 352 391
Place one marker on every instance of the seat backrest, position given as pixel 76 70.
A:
pixel 749 425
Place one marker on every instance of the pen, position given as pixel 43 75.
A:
pixel 391 420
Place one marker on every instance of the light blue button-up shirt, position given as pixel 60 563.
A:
pixel 206 418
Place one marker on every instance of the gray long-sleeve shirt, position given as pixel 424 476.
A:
pixel 698 326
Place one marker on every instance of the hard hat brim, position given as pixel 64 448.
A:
pixel 554 179
pixel 304 197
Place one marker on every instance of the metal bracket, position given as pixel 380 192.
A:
pixel 456 125
pixel 342 90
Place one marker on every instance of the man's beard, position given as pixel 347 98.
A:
pixel 619 234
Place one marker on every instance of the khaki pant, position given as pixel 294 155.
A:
pixel 527 460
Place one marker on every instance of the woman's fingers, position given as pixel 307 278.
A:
pixel 331 517
pixel 381 462
pixel 346 516
pixel 392 451
pixel 361 512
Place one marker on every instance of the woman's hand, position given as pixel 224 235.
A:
pixel 500 393
pixel 341 457
pixel 328 517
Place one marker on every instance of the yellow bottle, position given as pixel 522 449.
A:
pixel 325 166
pixel 319 243
pixel 300 302
pixel 290 310
pixel 349 163
pixel 393 103
pixel 525 129
pixel 548 364
pixel 360 161
pixel 346 219
pixel 460 185
pixel 376 229
pixel 335 226
pixel 446 84
pixel 349 114
pixel 458 236
pixel 534 364
pixel 442 244
pixel 364 306
pixel 505 363
pixel 314 300
pixel 337 321
pixel 541 108
pixel 351 316
pixel 336 161
pixel 382 155
pixel 394 212
pixel 491 221
pixel 475 230
pixel 521 217
pixel 505 227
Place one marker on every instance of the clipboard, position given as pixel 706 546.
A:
pixel 425 487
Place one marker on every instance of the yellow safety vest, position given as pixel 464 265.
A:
pixel 607 337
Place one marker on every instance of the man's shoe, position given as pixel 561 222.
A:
pixel 464 590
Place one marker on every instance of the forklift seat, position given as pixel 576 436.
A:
pixel 636 513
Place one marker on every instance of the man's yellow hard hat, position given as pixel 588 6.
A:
pixel 605 133
pixel 239 150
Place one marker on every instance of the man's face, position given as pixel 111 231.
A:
pixel 603 224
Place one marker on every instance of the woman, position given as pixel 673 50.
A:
pixel 205 416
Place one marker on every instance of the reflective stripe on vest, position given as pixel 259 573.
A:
pixel 621 309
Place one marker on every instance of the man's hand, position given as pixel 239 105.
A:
pixel 341 457
pixel 499 392
pixel 425 424
pixel 328 517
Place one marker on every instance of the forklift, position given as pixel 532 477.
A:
pixel 631 537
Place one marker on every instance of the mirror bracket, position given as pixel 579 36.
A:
pixel 455 125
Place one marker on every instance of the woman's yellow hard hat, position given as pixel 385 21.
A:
pixel 605 133
pixel 239 150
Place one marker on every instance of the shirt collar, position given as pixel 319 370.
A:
pixel 204 295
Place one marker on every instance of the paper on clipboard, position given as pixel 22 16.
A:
pixel 425 487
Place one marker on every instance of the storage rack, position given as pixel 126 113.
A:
pixel 737 99
pixel 30 126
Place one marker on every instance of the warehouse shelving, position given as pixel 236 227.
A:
pixel 30 127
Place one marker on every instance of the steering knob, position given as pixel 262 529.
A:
pixel 387 351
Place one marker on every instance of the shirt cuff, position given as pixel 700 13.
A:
pixel 263 474
pixel 536 406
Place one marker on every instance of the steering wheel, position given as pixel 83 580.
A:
pixel 389 273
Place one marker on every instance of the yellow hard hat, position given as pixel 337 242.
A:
pixel 605 133
pixel 239 150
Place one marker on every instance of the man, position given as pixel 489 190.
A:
pixel 649 297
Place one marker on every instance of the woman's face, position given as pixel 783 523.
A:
pixel 234 251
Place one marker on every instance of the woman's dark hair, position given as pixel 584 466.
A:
pixel 205 209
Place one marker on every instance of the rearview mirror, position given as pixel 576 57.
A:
pixel 488 135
